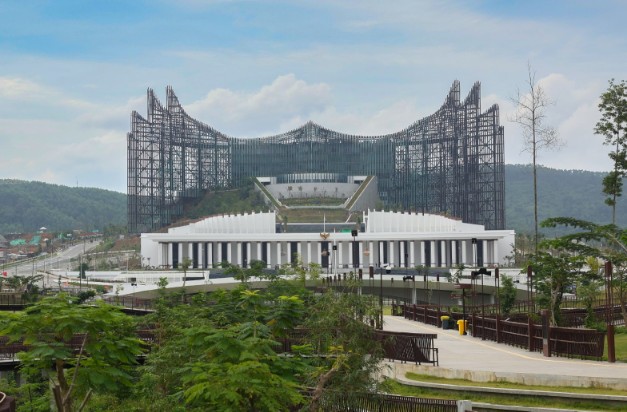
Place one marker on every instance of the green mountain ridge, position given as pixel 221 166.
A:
pixel 27 206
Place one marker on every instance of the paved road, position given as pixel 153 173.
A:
pixel 58 260
pixel 471 358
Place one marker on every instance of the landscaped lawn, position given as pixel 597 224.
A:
pixel 620 344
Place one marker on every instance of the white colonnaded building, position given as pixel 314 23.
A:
pixel 384 239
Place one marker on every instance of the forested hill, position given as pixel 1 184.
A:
pixel 572 193
pixel 27 206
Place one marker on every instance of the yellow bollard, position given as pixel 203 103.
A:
pixel 461 325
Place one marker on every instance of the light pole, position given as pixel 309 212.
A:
pixel 496 284
pixel 381 294
pixel 611 349
pixel 334 254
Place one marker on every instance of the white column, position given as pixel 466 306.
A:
pixel 464 252
pixel 229 252
pixel 309 259
pixel 434 260
pixel 454 252
pixel 485 251
pixel 190 252
pixel 443 254
pixel 210 254
pixel 299 250
pixel 201 255
pixel 279 260
pixel 269 254
pixel 495 249
pixel 259 252
pixel 248 250
pixel 181 255
pixel 319 249
pixel 391 253
pixel 371 255
pixel 340 255
pixel 219 250
pixel 169 255
pixel 360 247
pixel 423 252
pixel 350 254
pixel 412 254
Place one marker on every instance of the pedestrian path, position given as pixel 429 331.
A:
pixel 467 357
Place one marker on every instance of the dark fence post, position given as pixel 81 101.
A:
pixel 530 333
pixel 498 328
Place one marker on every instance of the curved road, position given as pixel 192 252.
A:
pixel 58 260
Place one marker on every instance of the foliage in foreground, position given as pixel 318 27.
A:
pixel 222 351
pixel 91 348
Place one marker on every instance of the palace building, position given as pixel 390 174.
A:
pixel 449 163
pixel 385 239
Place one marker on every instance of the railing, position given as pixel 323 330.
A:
pixel 7 403
pixel 9 350
pixel 131 302
pixel 383 402
pixel 409 347
pixel 567 342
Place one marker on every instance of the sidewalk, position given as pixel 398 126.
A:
pixel 467 357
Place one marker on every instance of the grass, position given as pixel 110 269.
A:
pixel 510 385
pixel 316 216
pixel 312 201
pixel 620 344
pixel 502 399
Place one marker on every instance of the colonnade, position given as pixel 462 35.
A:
pixel 332 254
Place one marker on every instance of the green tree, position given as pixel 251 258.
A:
pixel 507 295
pixel 612 127
pixel 107 347
pixel 82 270
pixel 337 325
pixel 238 372
pixel 531 105
pixel 608 242
pixel 185 265
pixel 555 273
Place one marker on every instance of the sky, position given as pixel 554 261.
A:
pixel 72 71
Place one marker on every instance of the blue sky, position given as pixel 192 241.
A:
pixel 71 72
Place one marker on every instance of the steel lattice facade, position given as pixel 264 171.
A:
pixel 450 162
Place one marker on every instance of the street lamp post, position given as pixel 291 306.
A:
pixel 381 294
pixel 463 287
pixel 611 349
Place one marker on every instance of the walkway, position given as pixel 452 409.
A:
pixel 466 357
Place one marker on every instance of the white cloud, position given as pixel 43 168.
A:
pixel 18 88
pixel 245 114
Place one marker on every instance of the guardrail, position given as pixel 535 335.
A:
pixel 567 342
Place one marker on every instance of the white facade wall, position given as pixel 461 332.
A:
pixel 248 232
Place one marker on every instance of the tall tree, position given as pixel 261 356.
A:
pixel 612 127
pixel 531 105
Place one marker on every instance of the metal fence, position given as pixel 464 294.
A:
pixel 383 402
pixel 523 333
